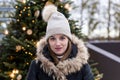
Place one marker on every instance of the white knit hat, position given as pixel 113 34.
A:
pixel 57 23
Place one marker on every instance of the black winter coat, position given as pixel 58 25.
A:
pixel 73 68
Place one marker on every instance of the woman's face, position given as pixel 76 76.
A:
pixel 58 43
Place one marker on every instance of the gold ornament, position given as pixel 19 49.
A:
pixel 29 31
pixel 18 48
pixel 37 13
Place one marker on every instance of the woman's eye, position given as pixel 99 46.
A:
pixel 52 38
pixel 62 38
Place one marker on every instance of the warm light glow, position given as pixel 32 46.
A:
pixel 28 7
pixel 15 71
pixel 18 20
pixel 28 45
pixel 16 7
pixel 23 9
pixel 30 54
pixel 6 32
pixel 20 11
pixel 19 14
pixel 23 28
pixel 12 75
pixel 26 52
pixel 68 7
pixel 33 21
pixel 23 1
pixel 37 43
pixel 27 63
pixel 28 14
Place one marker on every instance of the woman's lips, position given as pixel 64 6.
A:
pixel 58 49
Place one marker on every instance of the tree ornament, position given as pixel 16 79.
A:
pixel 22 1
pixel 19 77
pixel 37 13
pixel 18 48
pixel 29 31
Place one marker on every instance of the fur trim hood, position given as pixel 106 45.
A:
pixel 67 66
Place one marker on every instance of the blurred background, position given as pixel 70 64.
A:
pixel 98 19
pixel 97 22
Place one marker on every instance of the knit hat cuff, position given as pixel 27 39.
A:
pixel 58 31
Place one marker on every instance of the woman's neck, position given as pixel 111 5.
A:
pixel 60 56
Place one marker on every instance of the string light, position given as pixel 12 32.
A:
pixel 27 63
pixel 23 28
pixel 28 14
pixel 30 53
pixel 33 21
pixel 23 9
pixel 20 11
pixel 6 32
pixel 16 7
pixel 28 45
pixel 19 14
pixel 18 20
pixel 68 7
pixel 12 75
pixel 26 52
pixel 14 72
pixel 29 7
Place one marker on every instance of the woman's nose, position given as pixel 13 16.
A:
pixel 57 42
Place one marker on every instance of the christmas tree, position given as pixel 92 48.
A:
pixel 24 31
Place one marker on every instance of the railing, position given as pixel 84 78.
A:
pixel 103 52
pixel 5 7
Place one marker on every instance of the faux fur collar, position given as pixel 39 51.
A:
pixel 66 67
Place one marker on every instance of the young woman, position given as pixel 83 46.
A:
pixel 60 54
